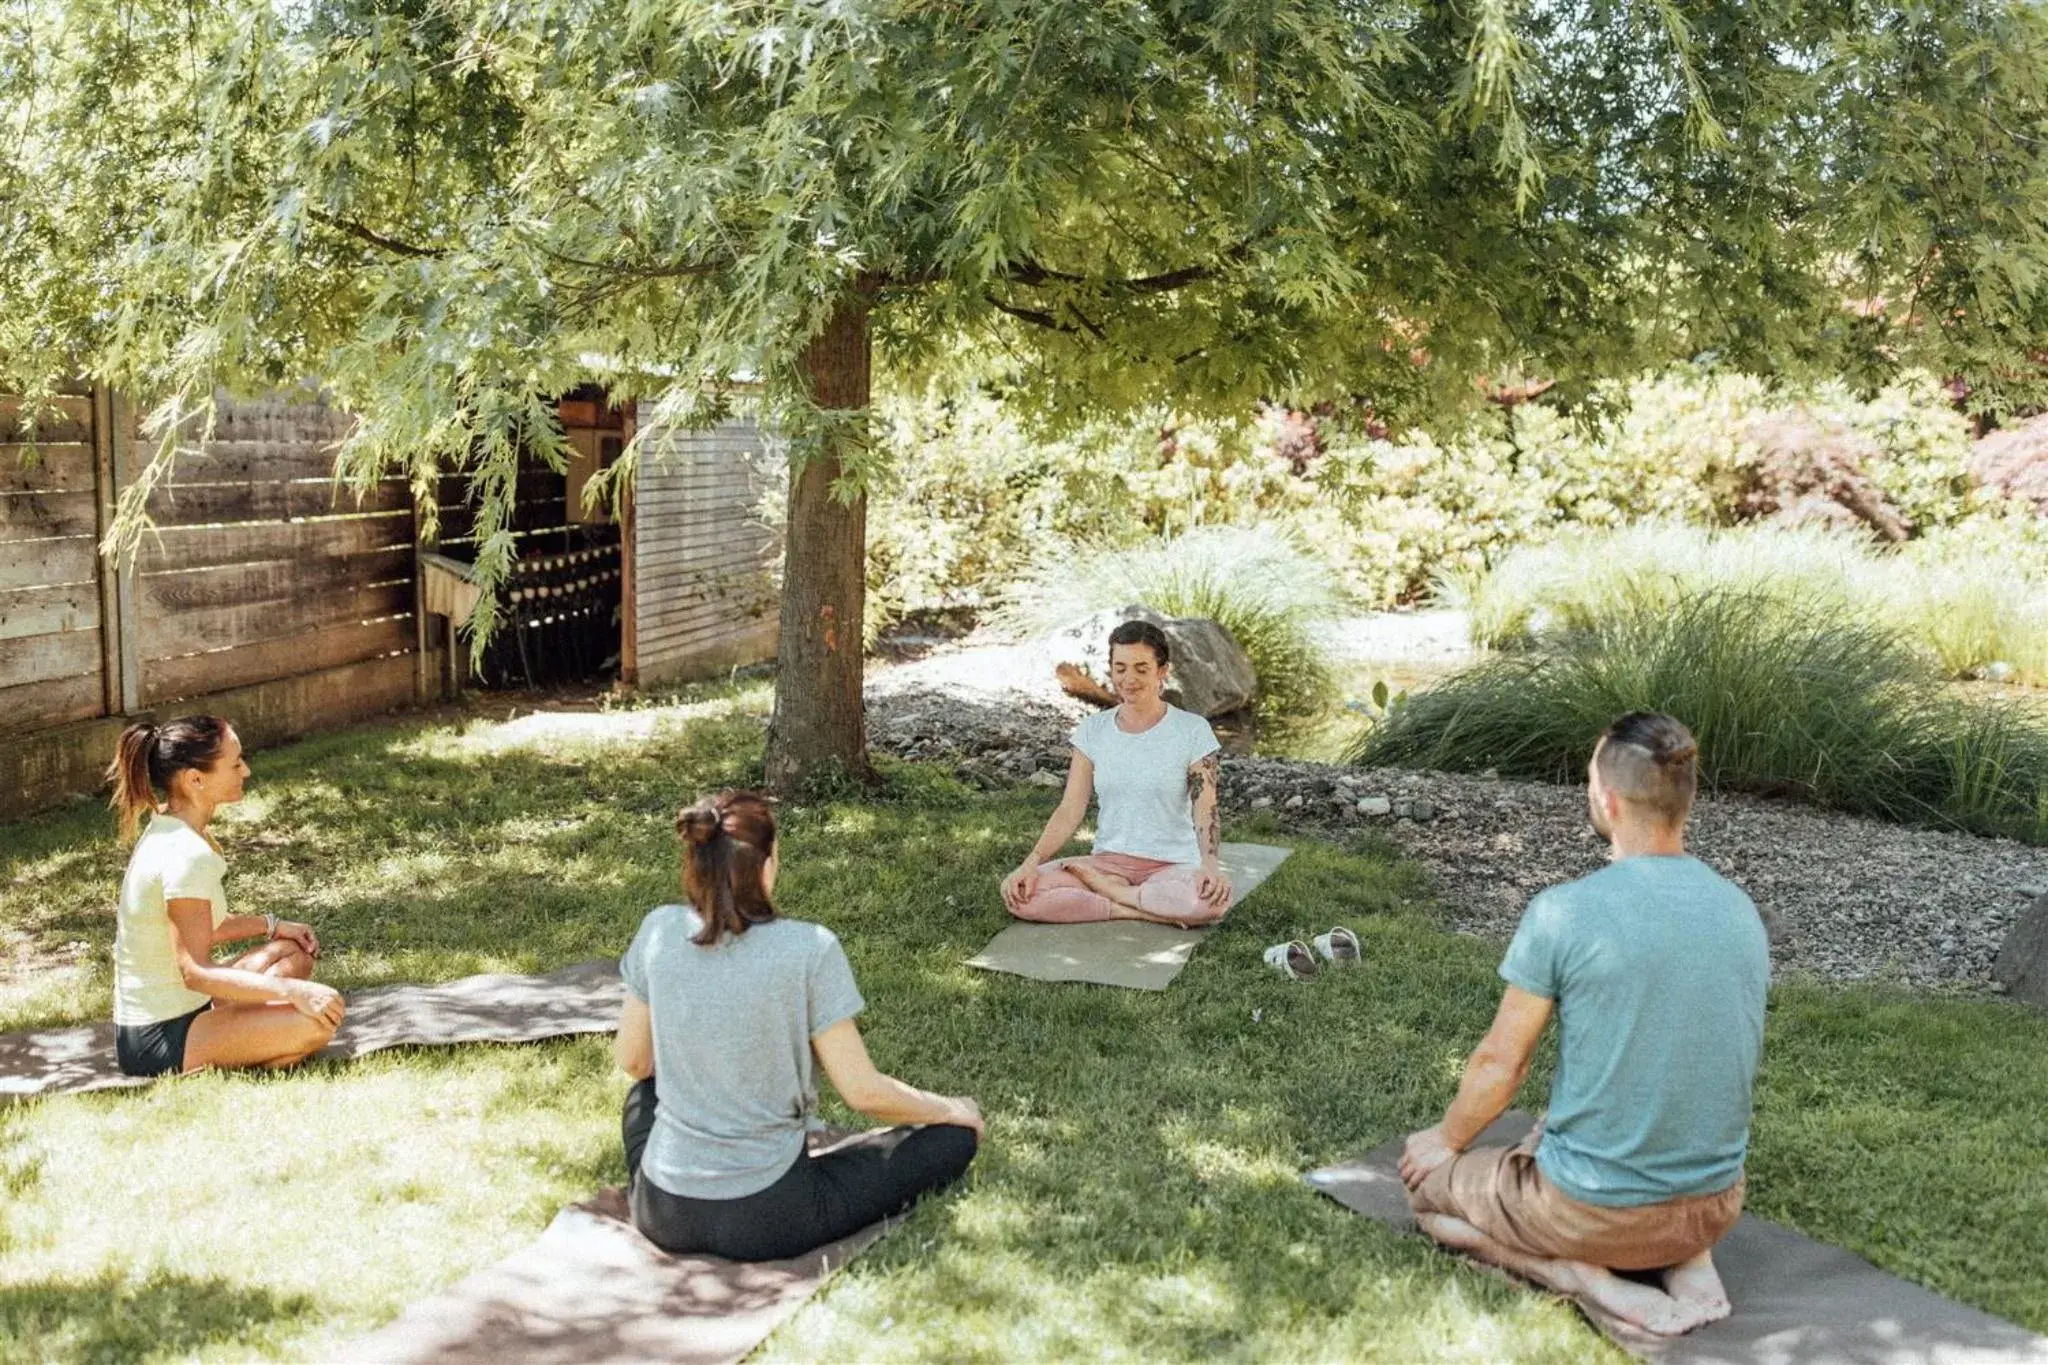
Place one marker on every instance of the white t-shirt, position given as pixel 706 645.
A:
pixel 172 861
pixel 1141 783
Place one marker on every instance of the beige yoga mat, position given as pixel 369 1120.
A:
pixel 1130 953
pixel 591 1289
pixel 494 1008
pixel 1797 1301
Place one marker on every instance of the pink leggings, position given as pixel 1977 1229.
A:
pixel 1164 889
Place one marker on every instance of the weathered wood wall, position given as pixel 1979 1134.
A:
pixel 52 666
pixel 266 593
pixel 262 567
pixel 703 592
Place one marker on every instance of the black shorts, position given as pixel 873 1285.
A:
pixel 153 1049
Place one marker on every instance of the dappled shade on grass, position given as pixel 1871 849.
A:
pixel 1786 699
pixel 1139 1195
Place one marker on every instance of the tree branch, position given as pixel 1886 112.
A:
pixel 375 239
pixel 1037 317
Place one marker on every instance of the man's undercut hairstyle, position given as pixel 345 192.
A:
pixel 1141 633
pixel 1651 761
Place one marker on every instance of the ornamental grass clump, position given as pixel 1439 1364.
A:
pixel 1787 699
pixel 1275 600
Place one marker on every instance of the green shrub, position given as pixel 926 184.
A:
pixel 1786 699
pixel 971 491
pixel 1272 597
pixel 1973 597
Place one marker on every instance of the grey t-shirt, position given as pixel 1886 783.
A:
pixel 733 1023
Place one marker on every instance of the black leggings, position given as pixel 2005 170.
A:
pixel 818 1200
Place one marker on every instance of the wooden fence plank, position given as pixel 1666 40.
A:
pixel 251 461
pixel 49 611
pixel 45 516
pixel 196 673
pixel 235 584
pixel 168 636
pixel 38 658
pixel 40 563
pixel 65 419
pixel 42 705
pixel 225 504
pixel 50 468
pixel 193 547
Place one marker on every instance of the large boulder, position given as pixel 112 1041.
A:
pixel 2014 461
pixel 2022 966
pixel 1211 673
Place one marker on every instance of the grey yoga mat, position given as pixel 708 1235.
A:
pixel 591 1289
pixel 1130 953
pixel 1797 1301
pixel 494 1008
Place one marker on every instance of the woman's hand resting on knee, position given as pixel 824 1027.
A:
pixel 1020 886
pixel 844 1056
pixel 316 1001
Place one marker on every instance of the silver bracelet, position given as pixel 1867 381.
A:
pixel 270 924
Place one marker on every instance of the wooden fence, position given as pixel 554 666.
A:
pixel 702 560
pixel 270 595
pixel 266 592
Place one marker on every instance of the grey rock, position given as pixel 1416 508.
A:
pixel 2022 965
pixel 1375 805
pixel 1421 810
pixel 1042 778
pixel 1211 673
pixel 1262 802
pixel 1295 802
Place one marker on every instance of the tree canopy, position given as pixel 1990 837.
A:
pixel 442 213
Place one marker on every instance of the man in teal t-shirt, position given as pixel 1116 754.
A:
pixel 1657 969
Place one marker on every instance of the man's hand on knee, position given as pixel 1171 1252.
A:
pixel 1424 1152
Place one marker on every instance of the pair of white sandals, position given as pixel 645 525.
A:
pixel 1298 961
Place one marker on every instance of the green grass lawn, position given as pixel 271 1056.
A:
pixel 1139 1195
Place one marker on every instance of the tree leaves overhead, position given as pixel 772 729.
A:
pixel 441 212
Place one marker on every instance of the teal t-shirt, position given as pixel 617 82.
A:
pixel 1659 970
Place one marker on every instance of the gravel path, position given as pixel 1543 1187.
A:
pixel 1848 898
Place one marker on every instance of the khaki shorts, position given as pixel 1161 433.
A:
pixel 1500 1191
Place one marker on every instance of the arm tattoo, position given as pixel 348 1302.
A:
pixel 1205 779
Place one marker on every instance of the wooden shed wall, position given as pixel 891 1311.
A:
pixel 703 589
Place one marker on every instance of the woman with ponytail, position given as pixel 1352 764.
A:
pixel 727 1007
pixel 175 1007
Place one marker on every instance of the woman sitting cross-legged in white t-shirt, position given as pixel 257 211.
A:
pixel 175 1008
pixel 727 1006
pixel 1153 769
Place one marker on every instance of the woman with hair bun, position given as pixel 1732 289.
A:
pixel 728 1004
pixel 175 1008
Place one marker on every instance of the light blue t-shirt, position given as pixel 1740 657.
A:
pixel 1141 783
pixel 1659 969
pixel 733 1023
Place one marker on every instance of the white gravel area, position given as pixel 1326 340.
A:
pixel 1848 898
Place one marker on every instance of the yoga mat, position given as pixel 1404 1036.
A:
pixel 494 1008
pixel 1134 954
pixel 592 1289
pixel 1797 1301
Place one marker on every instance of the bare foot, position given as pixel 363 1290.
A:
pixel 1697 1285
pixel 1650 1309
pixel 1076 683
pixel 1113 889
pixel 1640 1304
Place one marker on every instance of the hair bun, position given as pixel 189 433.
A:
pixel 699 824
pixel 1684 752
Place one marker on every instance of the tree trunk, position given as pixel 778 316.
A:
pixel 819 729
